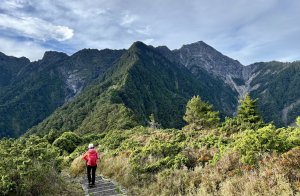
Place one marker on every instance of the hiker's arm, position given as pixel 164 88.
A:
pixel 85 157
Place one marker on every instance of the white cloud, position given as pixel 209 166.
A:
pixel 28 49
pixel 128 19
pixel 145 30
pixel 12 4
pixel 35 28
pixel 92 12
pixel 246 30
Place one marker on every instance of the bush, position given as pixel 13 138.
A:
pixel 252 143
pixel 68 141
pixel 172 162
pixel 29 166
pixel 157 155
pixel 52 135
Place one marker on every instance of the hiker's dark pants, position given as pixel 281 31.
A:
pixel 93 170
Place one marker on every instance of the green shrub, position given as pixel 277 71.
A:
pixel 52 135
pixel 29 166
pixel 157 155
pixel 251 143
pixel 68 141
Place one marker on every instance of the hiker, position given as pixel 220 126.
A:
pixel 91 158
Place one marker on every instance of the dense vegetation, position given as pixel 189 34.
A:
pixel 277 87
pixel 9 68
pixel 141 83
pixel 262 160
pixel 241 156
pixel 31 166
pixel 153 140
pixel 137 82
pixel 29 92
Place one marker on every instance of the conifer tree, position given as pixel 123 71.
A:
pixel 247 111
pixel 200 115
pixel 248 116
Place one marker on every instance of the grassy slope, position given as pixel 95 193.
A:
pixel 151 161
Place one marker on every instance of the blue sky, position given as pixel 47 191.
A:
pixel 246 30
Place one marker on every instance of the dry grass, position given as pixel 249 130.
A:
pixel 274 174
pixel 77 167
pixel 228 177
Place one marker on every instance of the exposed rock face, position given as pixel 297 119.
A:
pixel 74 84
pixel 53 56
pixel 264 81
pixel 200 55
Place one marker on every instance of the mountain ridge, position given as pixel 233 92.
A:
pixel 141 83
pixel 44 85
pixel 57 78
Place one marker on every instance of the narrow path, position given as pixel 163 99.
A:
pixel 103 187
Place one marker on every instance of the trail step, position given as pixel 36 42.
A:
pixel 103 187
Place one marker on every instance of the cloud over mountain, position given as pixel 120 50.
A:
pixel 247 30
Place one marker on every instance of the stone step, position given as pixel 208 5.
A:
pixel 108 192
pixel 103 187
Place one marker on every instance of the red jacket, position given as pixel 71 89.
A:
pixel 91 157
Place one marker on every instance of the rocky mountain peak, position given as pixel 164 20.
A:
pixel 165 51
pixel 138 47
pixel 203 56
pixel 200 56
pixel 21 60
pixel 197 47
pixel 54 56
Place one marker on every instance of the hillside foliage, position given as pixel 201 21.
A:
pixel 141 83
pixel 277 90
pixel 70 93
pixel 37 89
pixel 256 160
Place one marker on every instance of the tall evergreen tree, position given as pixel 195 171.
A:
pixel 247 117
pixel 200 115
pixel 247 111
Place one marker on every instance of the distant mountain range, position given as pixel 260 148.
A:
pixel 96 90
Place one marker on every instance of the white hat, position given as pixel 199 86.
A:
pixel 91 145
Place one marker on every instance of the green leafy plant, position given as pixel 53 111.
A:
pixel 68 141
pixel 199 115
